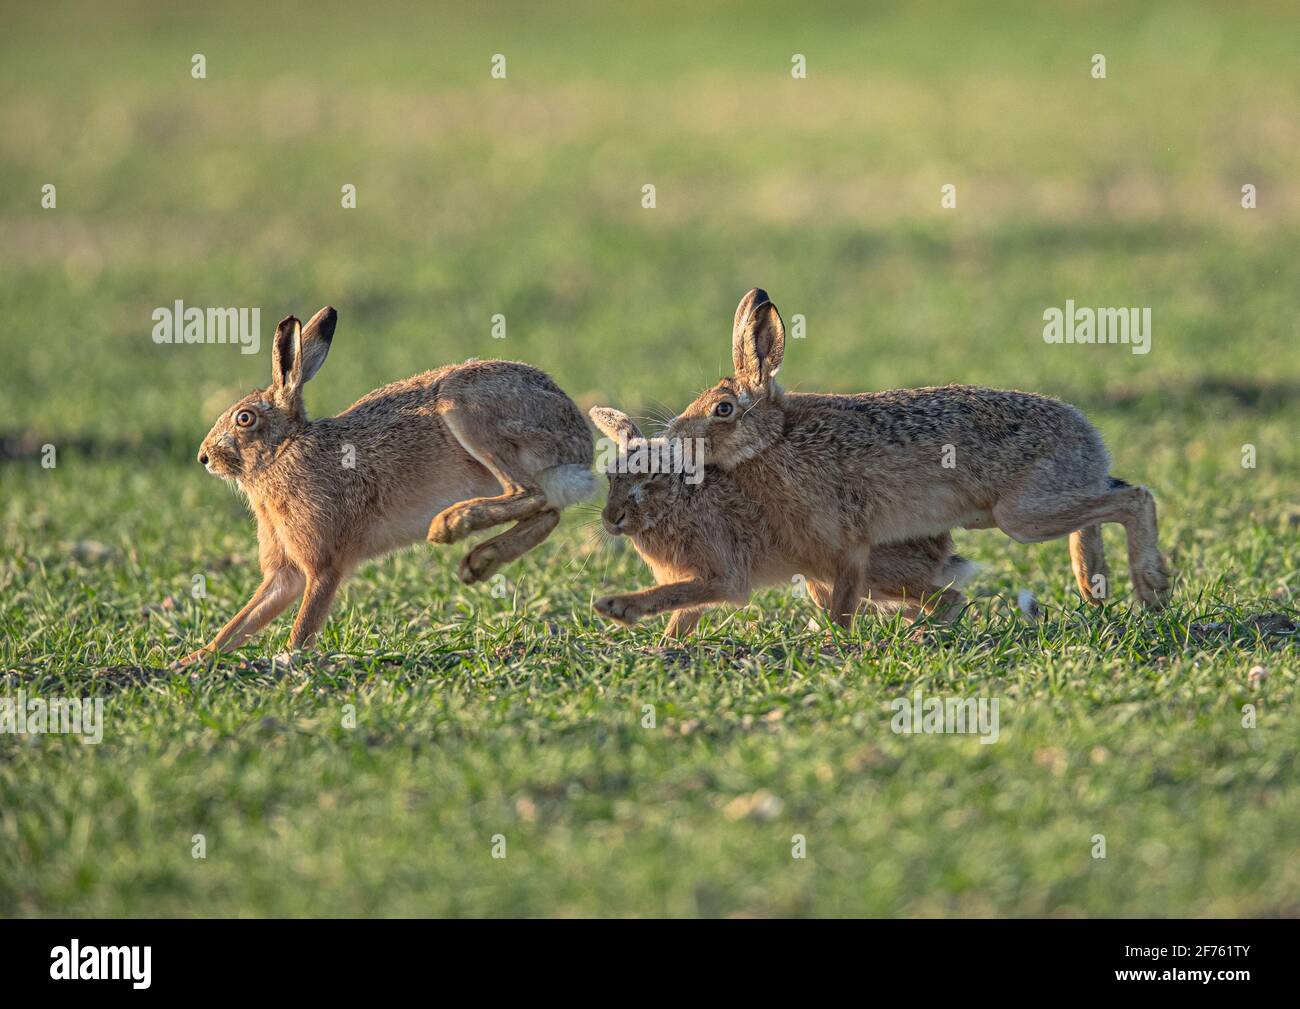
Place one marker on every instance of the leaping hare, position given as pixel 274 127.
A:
pixel 440 455
pixel 708 543
pixel 842 475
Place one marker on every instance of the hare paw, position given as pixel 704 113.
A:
pixel 479 563
pixel 203 655
pixel 286 661
pixel 1151 582
pixel 449 525
pixel 623 609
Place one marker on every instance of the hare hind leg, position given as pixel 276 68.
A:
pixel 484 560
pixel 914 602
pixel 520 497
pixel 920 577
pixel 945 605
pixel 1088 559
pixel 1038 514
pixel 853 585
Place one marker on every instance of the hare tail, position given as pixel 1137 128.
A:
pixel 957 571
pixel 567 484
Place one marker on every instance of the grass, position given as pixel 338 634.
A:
pixel 519 713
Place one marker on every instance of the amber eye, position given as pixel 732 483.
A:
pixel 723 410
pixel 245 418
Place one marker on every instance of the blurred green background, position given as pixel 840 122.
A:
pixel 523 196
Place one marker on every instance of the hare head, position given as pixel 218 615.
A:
pixel 247 436
pixel 638 499
pixel 742 415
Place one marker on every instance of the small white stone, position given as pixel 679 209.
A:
pixel 1257 675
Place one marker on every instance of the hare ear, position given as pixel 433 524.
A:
pixel 756 296
pixel 316 337
pixel 757 341
pixel 614 423
pixel 286 355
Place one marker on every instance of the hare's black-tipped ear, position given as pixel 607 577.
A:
pixel 286 354
pixel 316 337
pixel 614 423
pixel 757 341
pixel 755 296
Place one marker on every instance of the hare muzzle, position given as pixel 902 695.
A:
pixel 614 524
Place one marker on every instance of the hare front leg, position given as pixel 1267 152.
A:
pixel 849 588
pixel 682 623
pixel 279 588
pixel 697 592
pixel 316 603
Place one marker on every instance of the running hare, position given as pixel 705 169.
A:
pixel 709 542
pixel 841 475
pixel 439 456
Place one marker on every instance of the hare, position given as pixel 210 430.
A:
pixel 440 455
pixel 709 542
pixel 842 475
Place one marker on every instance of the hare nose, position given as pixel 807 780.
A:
pixel 203 458
pixel 622 516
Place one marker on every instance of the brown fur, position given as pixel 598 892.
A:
pixel 710 542
pixel 841 476
pixel 439 456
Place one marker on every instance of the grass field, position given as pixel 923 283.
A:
pixel 519 713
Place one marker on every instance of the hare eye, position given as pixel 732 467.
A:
pixel 723 410
pixel 245 418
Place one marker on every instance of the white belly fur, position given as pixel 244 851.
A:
pixel 410 524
